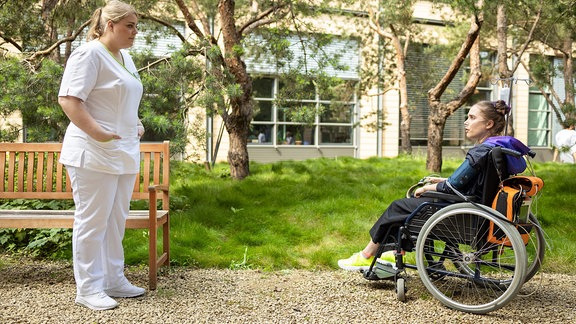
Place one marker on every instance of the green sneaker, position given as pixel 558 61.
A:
pixel 357 262
pixel 387 257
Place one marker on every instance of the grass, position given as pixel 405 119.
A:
pixel 308 214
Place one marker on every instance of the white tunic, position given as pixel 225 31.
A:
pixel 111 93
pixel 565 141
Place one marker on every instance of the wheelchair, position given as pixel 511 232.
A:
pixel 458 259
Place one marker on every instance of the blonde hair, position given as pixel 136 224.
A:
pixel 114 11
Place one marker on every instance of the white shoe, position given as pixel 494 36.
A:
pixel 125 291
pixel 98 301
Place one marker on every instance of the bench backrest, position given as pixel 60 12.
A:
pixel 32 170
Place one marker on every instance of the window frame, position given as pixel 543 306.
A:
pixel 310 133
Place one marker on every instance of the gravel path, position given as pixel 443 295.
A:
pixel 40 292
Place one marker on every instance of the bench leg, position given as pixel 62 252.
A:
pixel 155 262
pixel 152 259
pixel 166 241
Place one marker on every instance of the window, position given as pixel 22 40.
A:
pixel 539 119
pixel 328 122
pixel 426 68
pixel 306 115
pixel 539 112
pixel 262 129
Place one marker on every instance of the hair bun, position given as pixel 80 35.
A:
pixel 501 107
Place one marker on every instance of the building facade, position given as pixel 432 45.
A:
pixel 341 130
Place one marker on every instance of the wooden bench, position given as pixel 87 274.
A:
pixel 32 171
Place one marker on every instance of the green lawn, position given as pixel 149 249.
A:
pixel 309 214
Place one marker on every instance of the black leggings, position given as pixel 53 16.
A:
pixel 395 215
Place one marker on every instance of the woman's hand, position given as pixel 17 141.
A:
pixel 140 130
pixel 106 136
pixel 430 187
pixel 434 179
pixel 74 108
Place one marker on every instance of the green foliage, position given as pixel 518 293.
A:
pixel 31 83
pixel 46 243
pixel 21 20
pixel 41 114
pixel 169 88
pixel 38 204
pixel 398 13
pixel 10 73
pixel 33 93
pixel 541 67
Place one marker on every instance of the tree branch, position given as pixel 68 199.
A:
pixel 530 36
pixel 202 17
pixel 259 19
pixel 190 21
pixel 374 24
pixel 439 89
pixel 11 41
pixel 60 41
pixel 553 93
pixel 165 24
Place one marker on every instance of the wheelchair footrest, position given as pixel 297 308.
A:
pixel 382 270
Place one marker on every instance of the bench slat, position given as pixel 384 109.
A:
pixel 138 219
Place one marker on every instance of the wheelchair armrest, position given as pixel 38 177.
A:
pixel 446 197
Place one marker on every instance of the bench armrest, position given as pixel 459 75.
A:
pixel 165 200
pixel 155 188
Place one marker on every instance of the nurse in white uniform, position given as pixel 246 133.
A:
pixel 100 93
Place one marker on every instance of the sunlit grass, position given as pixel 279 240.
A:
pixel 308 214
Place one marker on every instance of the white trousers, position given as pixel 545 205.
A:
pixel 102 204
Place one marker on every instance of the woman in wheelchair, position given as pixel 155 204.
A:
pixel 486 119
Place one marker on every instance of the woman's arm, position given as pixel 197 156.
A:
pixel 74 108
pixel 459 179
pixel 555 156
pixel 431 186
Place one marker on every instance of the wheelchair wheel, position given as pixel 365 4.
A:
pixel 401 289
pixel 535 248
pixel 467 272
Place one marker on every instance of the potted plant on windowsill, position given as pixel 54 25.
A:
pixel 298 138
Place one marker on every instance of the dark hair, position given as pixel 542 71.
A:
pixel 495 111
pixel 568 122
pixel 114 11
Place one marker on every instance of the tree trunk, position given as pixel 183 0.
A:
pixel 237 122
pixel 238 159
pixel 400 55
pixel 568 72
pixel 436 123
pixel 402 84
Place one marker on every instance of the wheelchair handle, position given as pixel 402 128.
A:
pixel 515 153
pixel 510 152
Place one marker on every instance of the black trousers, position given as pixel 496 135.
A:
pixel 394 216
